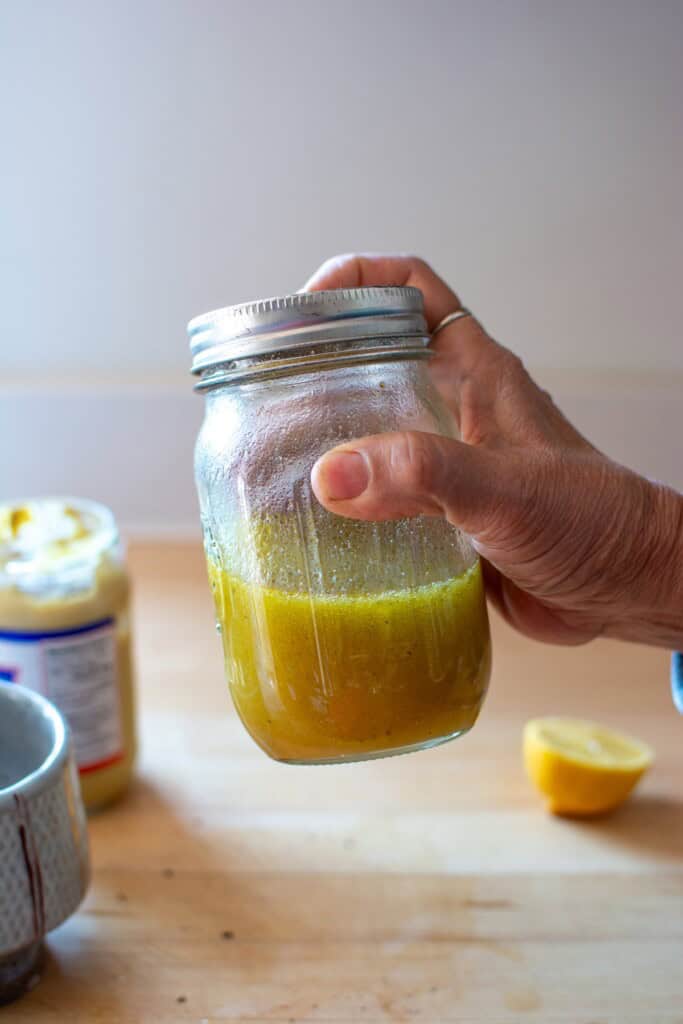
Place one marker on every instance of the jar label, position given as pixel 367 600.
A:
pixel 75 669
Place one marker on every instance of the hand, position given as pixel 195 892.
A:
pixel 573 544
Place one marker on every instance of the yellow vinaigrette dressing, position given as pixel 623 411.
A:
pixel 319 677
pixel 344 639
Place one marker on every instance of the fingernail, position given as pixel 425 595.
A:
pixel 342 476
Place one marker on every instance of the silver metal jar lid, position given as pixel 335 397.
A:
pixel 306 320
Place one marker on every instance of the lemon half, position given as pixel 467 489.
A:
pixel 582 768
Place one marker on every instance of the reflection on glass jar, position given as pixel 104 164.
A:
pixel 343 639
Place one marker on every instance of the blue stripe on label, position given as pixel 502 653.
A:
pixel 30 638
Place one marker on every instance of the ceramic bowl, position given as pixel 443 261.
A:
pixel 44 862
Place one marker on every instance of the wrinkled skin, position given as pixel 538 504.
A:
pixel 574 545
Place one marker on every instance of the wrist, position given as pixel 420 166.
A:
pixel 653 610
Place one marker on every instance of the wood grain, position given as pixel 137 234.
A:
pixel 427 888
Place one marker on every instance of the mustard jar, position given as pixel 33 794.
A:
pixel 65 629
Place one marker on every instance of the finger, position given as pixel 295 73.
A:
pixel 389 476
pixel 463 348
pixel 530 616
pixel 365 270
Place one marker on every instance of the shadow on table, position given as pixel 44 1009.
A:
pixel 650 824
pixel 162 896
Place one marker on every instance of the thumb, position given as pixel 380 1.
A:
pixel 389 476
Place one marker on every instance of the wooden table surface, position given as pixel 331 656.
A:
pixel 432 887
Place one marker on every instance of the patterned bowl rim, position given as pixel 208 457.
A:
pixel 46 773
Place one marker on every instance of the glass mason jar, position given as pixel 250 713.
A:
pixel 343 640
pixel 65 629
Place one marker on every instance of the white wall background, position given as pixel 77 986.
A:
pixel 164 157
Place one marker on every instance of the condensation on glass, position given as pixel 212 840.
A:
pixel 343 640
